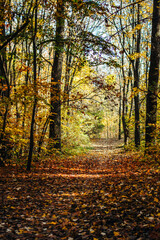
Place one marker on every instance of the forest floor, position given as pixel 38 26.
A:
pixel 103 194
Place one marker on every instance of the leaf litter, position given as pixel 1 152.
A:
pixel 92 196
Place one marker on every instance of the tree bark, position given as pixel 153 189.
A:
pixel 4 85
pixel 151 103
pixel 35 93
pixel 124 100
pixel 56 75
pixel 136 84
pixel 120 114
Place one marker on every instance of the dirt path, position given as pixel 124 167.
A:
pixel 106 146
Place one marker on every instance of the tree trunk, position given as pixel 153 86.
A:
pixel 151 103
pixel 136 84
pixel 4 85
pixel 35 93
pixel 55 114
pixel 120 114
pixel 124 100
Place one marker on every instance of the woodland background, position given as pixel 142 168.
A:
pixel 75 70
pixel 78 78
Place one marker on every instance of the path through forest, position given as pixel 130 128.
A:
pixel 103 194
pixel 106 146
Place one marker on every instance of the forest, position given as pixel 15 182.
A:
pixel 80 119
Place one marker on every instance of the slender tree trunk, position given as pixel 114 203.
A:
pixel 151 104
pixel 55 114
pixel 27 49
pixel 124 95
pixel 69 55
pixel 35 93
pixel 124 99
pixel 4 85
pixel 136 84
pixel 120 114
pixel 125 129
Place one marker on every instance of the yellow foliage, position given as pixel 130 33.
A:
pixel 116 234
pixel 156 200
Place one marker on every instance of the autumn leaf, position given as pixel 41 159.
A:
pixel 116 234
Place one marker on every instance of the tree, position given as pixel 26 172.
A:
pixel 136 71
pixel 35 90
pixel 4 84
pixel 131 30
pixel 56 75
pixel 151 103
